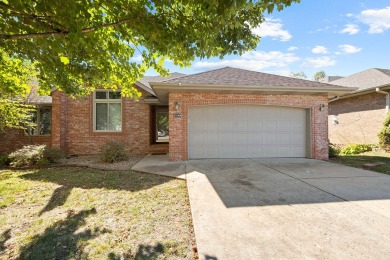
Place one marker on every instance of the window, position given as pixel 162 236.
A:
pixel 161 125
pixel 42 119
pixel 107 107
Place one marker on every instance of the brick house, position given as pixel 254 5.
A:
pixel 223 113
pixel 13 139
pixel 357 117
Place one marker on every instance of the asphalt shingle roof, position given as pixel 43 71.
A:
pixel 240 77
pixel 35 98
pixel 367 79
pixel 145 80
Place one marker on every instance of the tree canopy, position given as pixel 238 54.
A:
pixel 299 75
pixel 77 46
pixel 319 75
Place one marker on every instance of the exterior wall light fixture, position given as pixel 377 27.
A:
pixel 176 106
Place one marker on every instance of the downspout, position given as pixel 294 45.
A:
pixel 387 97
pixel 334 99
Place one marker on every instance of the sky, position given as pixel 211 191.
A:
pixel 340 37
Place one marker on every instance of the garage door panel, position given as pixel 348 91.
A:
pixel 211 139
pixel 211 152
pixel 240 139
pixel 197 152
pixel 298 126
pixel 255 138
pixel 246 131
pixel 298 151
pixel 269 151
pixel 226 152
pixel 297 139
pixel 226 125
pixel 270 125
pixel 197 139
pixel 284 151
pixel 269 111
pixel 197 124
pixel 241 125
pixel 256 152
pixel 226 111
pixel 226 138
pixel 270 138
pixel 241 152
pixel 255 125
pixel 284 139
pixel 284 125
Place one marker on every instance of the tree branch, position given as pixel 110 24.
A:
pixel 56 33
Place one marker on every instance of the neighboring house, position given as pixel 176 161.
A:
pixel 357 117
pixel 223 113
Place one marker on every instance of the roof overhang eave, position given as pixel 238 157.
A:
pixel 167 87
pixel 362 92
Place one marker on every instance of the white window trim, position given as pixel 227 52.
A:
pixel 105 101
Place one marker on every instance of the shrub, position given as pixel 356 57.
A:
pixel 356 149
pixel 113 152
pixel 28 155
pixel 4 160
pixel 334 150
pixel 52 155
pixel 35 155
pixel 384 134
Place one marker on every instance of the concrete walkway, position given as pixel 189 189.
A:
pixel 286 208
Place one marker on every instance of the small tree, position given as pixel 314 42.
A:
pixel 319 75
pixel 299 75
pixel 384 134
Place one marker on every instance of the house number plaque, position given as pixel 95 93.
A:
pixel 176 115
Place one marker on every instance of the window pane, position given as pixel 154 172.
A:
pixel 32 130
pixel 101 116
pixel 101 95
pixel 114 95
pixel 45 121
pixel 162 124
pixel 115 117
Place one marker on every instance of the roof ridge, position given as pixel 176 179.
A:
pixel 382 71
pixel 199 73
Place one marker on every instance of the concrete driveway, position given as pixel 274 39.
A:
pixel 288 209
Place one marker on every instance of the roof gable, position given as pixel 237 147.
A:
pixel 144 82
pixel 367 79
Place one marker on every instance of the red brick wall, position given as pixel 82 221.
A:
pixel 360 119
pixel 14 139
pixel 72 126
pixel 178 127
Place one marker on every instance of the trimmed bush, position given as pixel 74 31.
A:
pixel 35 155
pixel 356 149
pixel 384 134
pixel 52 155
pixel 4 160
pixel 26 156
pixel 334 150
pixel 113 152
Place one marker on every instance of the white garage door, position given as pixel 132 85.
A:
pixel 246 131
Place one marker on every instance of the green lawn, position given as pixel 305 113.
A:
pixel 79 213
pixel 370 157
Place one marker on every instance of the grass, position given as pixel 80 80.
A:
pixel 369 157
pixel 78 213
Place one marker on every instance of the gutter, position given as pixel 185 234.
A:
pixel 387 97
pixel 177 86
